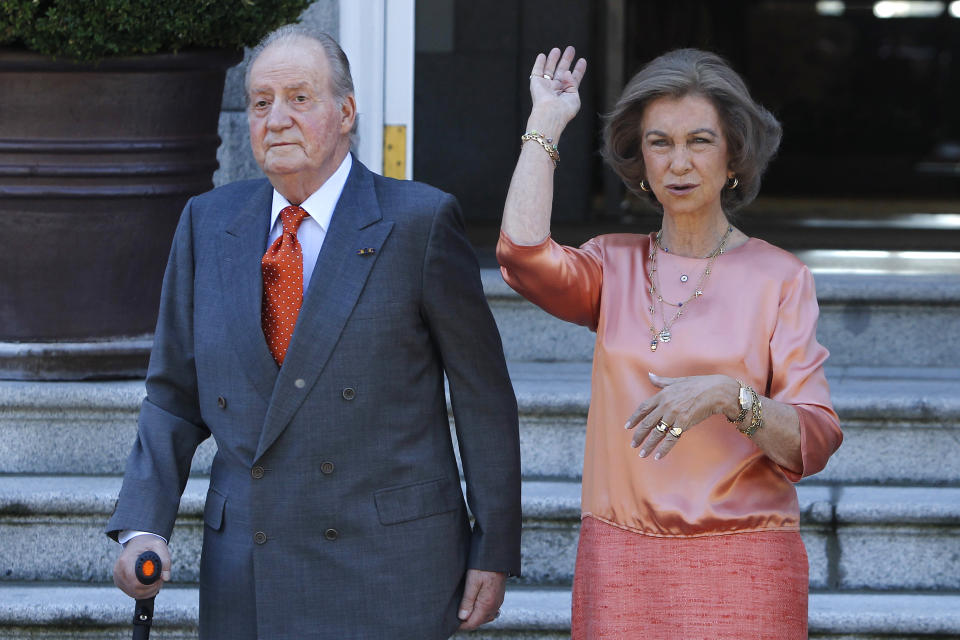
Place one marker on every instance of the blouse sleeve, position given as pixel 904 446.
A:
pixel 563 281
pixel 797 376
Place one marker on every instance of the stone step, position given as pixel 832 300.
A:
pixel 901 425
pixel 85 612
pixel 865 320
pixel 857 537
pixel 875 538
pixel 892 316
pixel 884 413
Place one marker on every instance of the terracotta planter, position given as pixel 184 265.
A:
pixel 96 163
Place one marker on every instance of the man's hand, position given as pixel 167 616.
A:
pixel 482 597
pixel 124 571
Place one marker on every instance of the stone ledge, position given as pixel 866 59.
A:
pixel 864 320
pixel 524 610
pixel 832 288
pixel 850 505
pixel 35 605
pixel 844 553
pixel 882 505
pixel 858 393
pixel 855 613
pixel 24 496
pixel 545 388
pixel 78 428
pixel 78 360
pixel 26 398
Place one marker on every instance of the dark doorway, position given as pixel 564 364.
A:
pixel 869 105
pixel 871 148
pixel 472 99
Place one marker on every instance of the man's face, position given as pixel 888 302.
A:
pixel 299 131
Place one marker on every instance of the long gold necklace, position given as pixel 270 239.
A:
pixel 663 335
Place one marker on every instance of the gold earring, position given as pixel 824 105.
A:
pixel 644 187
pixel 733 186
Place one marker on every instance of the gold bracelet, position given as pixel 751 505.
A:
pixel 546 143
pixel 756 421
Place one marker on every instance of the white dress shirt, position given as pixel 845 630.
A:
pixel 313 229
pixel 310 234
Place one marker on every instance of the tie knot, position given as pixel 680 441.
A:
pixel 291 217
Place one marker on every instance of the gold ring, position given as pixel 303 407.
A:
pixel 547 76
pixel 676 432
pixel 662 426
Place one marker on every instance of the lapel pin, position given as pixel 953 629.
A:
pixel 366 251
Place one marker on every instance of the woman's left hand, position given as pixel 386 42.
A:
pixel 681 403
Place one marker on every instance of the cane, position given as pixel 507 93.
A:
pixel 148 571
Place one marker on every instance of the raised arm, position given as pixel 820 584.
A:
pixel 562 280
pixel 554 88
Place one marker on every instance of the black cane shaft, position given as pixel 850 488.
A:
pixel 142 619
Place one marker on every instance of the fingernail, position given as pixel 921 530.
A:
pixel 464 614
pixel 626 425
pixel 643 452
pixel 656 457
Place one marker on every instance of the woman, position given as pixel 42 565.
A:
pixel 706 352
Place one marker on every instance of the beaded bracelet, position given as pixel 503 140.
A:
pixel 546 143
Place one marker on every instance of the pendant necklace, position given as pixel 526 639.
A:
pixel 663 335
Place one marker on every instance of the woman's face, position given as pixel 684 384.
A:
pixel 685 153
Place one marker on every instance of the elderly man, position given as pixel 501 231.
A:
pixel 307 323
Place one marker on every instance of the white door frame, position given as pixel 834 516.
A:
pixel 378 38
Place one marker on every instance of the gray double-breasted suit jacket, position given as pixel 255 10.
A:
pixel 335 507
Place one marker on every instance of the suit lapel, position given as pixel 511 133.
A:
pixel 241 249
pixel 336 284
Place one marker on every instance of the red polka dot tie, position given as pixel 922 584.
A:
pixel 282 268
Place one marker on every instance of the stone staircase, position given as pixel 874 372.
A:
pixel 881 523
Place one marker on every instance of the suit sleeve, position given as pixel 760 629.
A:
pixel 484 404
pixel 169 428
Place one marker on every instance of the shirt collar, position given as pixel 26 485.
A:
pixel 322 202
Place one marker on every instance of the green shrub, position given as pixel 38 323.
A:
pixel 92 29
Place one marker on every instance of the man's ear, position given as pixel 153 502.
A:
pixel 348 113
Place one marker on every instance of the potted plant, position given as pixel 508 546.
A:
pixel 108 124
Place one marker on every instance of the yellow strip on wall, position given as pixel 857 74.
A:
pixel 395 151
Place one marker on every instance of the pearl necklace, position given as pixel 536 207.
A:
pixel 664 335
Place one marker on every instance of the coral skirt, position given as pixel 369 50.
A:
pixel 735 586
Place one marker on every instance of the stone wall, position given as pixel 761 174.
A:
pixel 234 155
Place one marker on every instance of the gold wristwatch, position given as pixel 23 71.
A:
pixel 745 400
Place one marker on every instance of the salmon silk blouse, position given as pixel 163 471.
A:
pixel 756 321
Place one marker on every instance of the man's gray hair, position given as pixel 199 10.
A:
pixel 341 82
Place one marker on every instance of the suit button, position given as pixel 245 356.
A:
pixel 257 472
pixel 222 402
pixel 326 468
pixel 260 537
pixel 331 534
pixel 349 393
pixel 299 383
